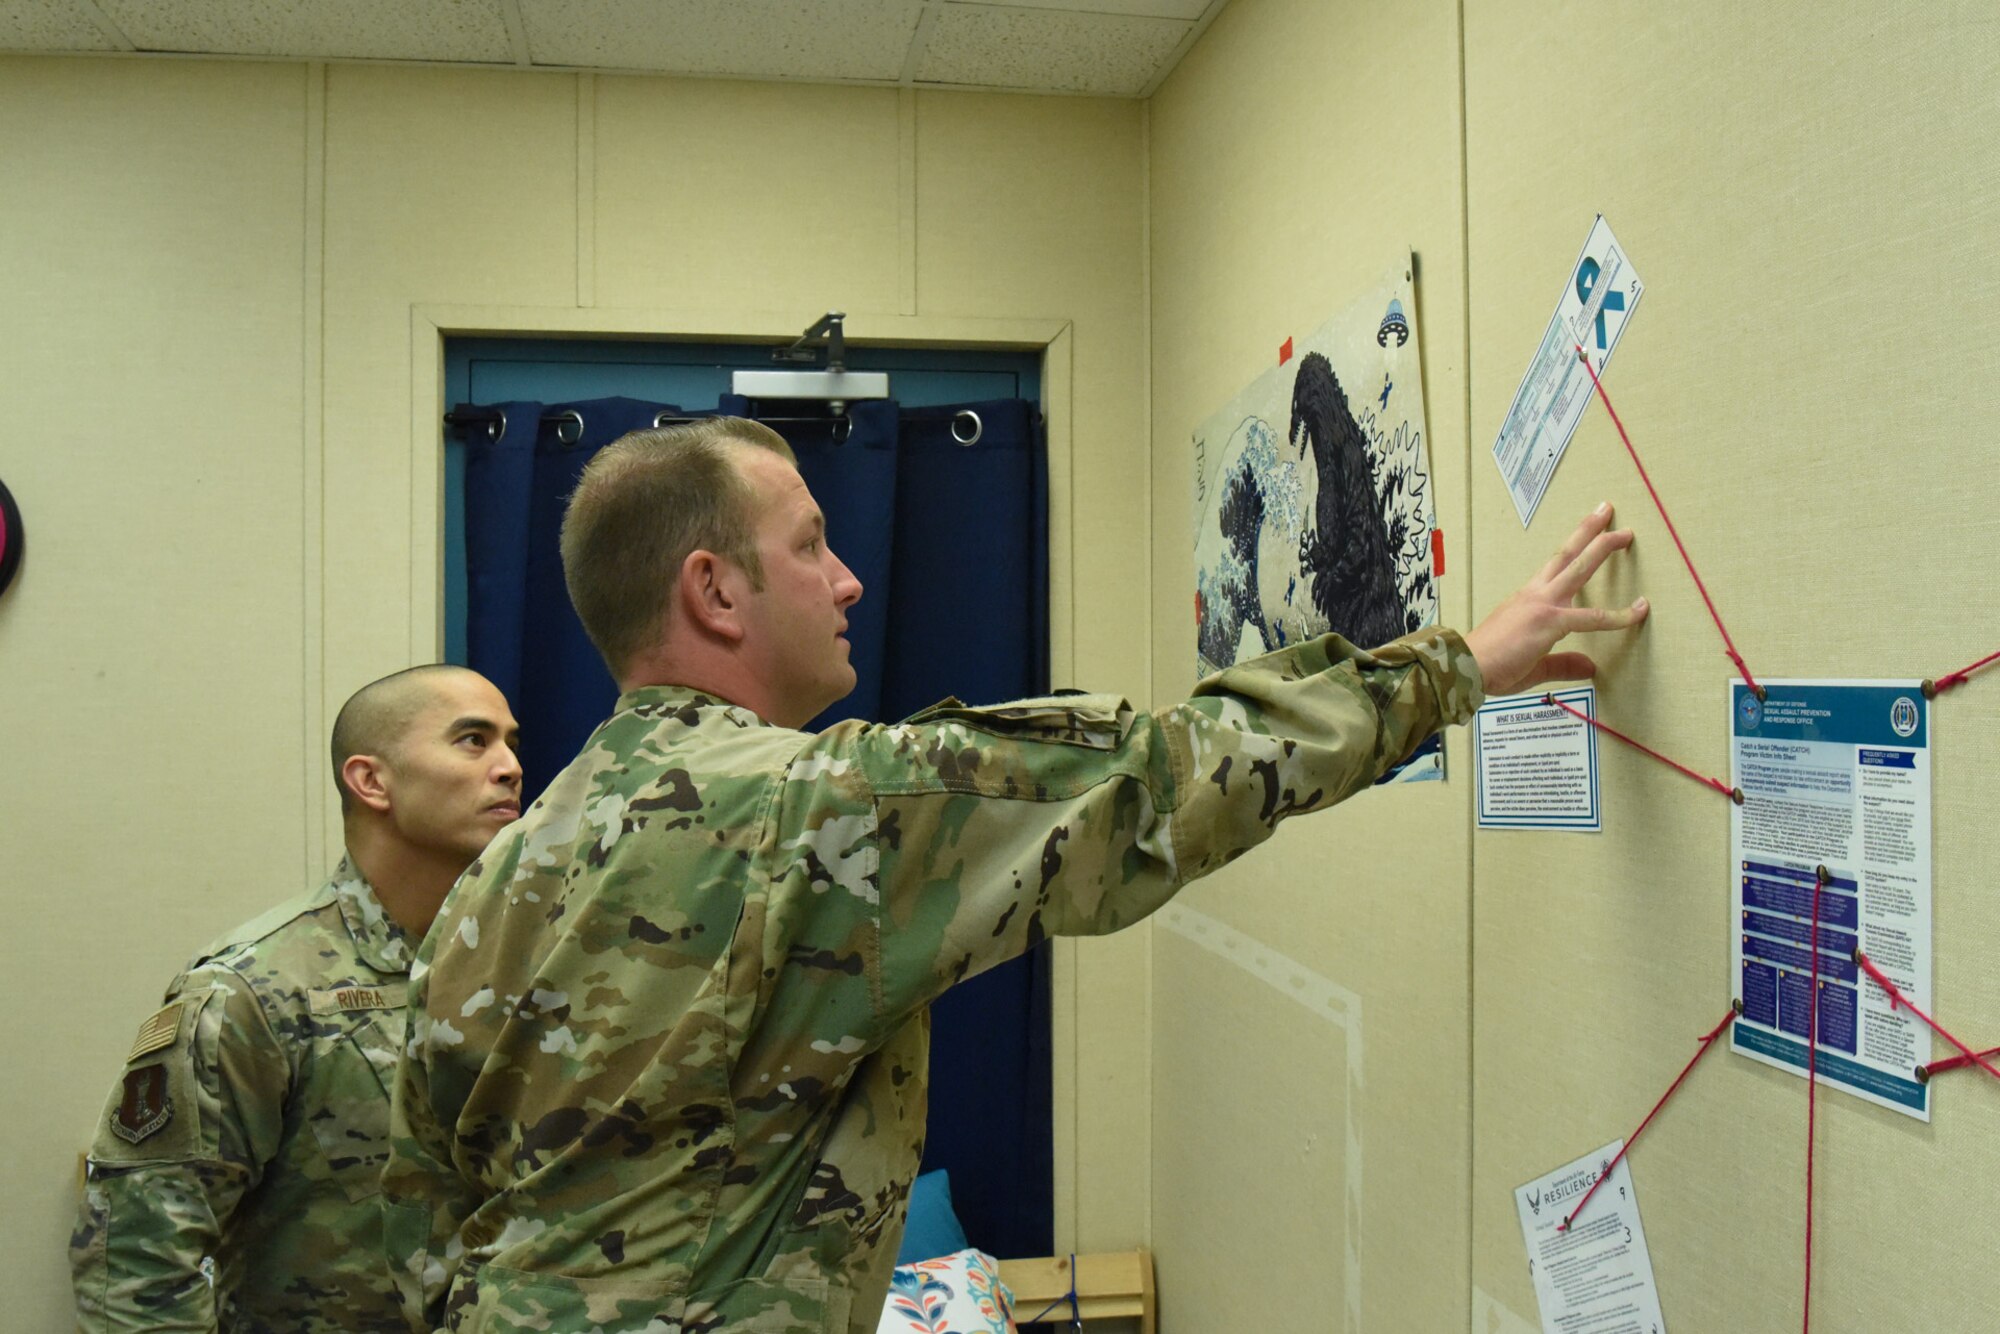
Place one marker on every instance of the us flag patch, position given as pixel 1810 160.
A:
pixel 157 1032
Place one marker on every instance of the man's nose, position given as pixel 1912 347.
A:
pixel 508 768
pixel 846 588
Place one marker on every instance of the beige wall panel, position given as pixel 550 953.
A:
pixel 1809 191
pixel 748 196
pixel 441 187
pixel 1299 150
pixel 1035 207
pixel 150 231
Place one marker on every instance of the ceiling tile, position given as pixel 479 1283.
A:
pixel 469 30
pixel 1187 10
pixel 39 25
pixel 1060 51
pixel 772 39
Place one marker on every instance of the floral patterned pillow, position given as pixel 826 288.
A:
pixel 960 1293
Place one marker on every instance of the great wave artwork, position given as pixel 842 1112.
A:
pixel 1313 505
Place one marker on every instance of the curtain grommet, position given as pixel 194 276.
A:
pixel 569 427
pixel 971 435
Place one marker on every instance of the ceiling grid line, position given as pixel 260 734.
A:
pixel 517 32
pixel 106 25
pixel 1086 11
pixel 1179 53
pixel 920 38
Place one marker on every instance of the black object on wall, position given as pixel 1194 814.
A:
pixel 13 538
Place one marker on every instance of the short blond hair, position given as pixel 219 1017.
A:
pixel 642 506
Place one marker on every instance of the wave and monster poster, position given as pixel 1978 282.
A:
pixel 1313 505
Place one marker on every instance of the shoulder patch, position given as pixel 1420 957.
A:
pixel 145 1107
pixel 157 1032
pixel 341 999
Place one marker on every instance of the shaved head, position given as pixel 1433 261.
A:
pixel 378 716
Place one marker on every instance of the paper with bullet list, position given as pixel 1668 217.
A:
pixel 1596 1276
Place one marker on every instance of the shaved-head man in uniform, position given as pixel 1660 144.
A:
pixel 233 1179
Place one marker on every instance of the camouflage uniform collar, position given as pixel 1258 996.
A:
pixel 661 700
pixel 377 939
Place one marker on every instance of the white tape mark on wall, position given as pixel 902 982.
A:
pixel 1330 1001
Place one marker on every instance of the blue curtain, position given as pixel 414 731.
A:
pixel 950 542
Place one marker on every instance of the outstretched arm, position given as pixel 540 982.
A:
pixel 1513 644
pixel 968 835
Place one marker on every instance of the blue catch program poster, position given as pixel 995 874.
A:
pixel 1836 793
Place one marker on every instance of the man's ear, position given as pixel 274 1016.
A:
pixel 367 779
pixel 710 593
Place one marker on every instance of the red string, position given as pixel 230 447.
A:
pixel 1812 1087
pixel 1957 678
pixel 1715 783
pixel 1729 645
pixel 1898 998
pixel 1605 1175
pixel 1953 1063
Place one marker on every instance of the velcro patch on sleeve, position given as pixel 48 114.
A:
pixel 1076 719
pixel 157 1032
pixel 339 1000
pixel 144 1106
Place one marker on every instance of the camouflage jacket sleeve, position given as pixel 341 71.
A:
pixel 198 1111
pixel 1128 807
pixel 424 1200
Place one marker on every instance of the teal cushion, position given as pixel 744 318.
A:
pixel 933 1228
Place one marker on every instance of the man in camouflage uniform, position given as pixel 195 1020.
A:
pixel 233 1181
pixel 667 1056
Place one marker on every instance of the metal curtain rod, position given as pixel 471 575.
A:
pixel 569 422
